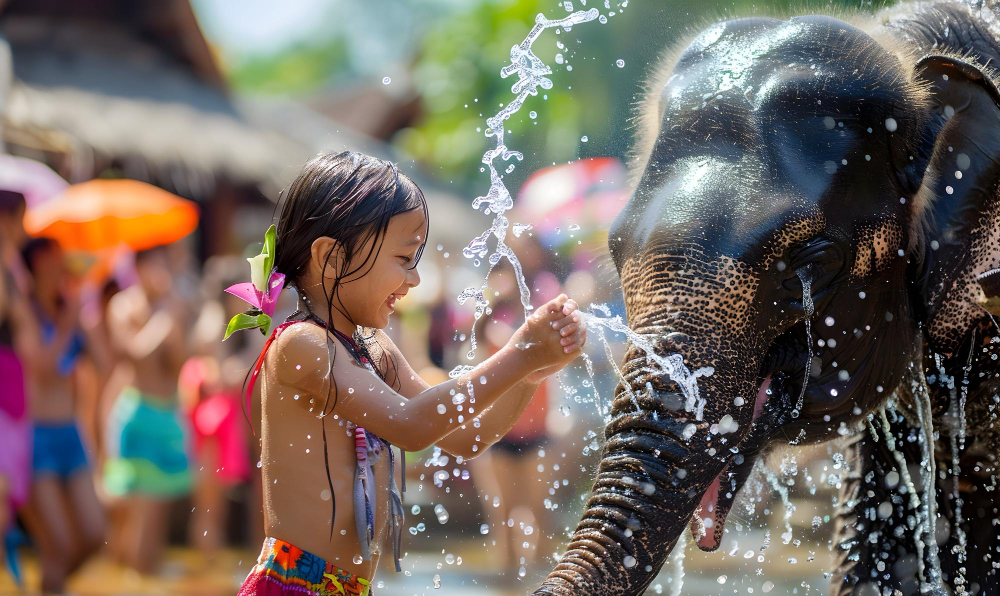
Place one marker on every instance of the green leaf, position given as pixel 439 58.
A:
pixel 264 322
pixel 244 321
pixel 270 243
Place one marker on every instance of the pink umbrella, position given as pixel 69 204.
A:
pixel 35 180
pixel 588 193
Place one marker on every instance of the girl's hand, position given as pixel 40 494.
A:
pixel 574 336
pixel 550 336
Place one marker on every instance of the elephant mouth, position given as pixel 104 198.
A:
pixel 708 522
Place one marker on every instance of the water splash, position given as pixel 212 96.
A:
pixel 676 578
pixel 531 73
pixel 671 364
pixel 810 309
pixel 782 491
pixel 957 444
pixel 928 475
pixel 911 489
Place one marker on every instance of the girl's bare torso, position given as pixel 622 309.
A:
pixel 297 500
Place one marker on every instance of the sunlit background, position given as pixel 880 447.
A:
pixel 221 101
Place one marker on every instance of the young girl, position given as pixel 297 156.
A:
pixel 349 236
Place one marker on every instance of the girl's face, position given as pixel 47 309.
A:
pixel 371 298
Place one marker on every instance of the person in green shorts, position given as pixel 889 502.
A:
pixel 148 464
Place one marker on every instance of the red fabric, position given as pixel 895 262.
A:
pixel 260 362
pixel 260 585
pixel 217 418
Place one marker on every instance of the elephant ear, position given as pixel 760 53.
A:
pixel 959 194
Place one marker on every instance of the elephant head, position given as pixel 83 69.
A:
pixel 813 206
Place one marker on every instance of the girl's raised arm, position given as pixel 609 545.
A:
pixel 301 361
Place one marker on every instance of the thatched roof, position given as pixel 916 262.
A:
pixel 85 93
pixel 452 216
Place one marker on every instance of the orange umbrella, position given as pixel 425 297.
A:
pixel 103 214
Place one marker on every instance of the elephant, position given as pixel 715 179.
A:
pixel 814 228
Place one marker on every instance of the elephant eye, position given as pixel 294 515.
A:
pixel 616 248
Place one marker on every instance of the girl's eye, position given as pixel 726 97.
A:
pixel 405 259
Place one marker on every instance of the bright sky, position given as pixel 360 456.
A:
pixel 261 26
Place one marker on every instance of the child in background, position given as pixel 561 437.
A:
pixel 349 236
pixel 65 518
pixel 210 396
pixel 147 465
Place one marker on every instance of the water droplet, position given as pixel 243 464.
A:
pixel 721 579
pixel 357 559
pixel 564 409
pixel 325 494
pixel 415 510
pixel 349 390
pixel 532 114
pixel 441 512
pixel 386 80
pixel 620 63
pixel 496 501
pixel 441 409
pixel 890 124
pixel 437 580
pixel 584 139
pixel 522 572
pixel 484 529
pixel 458 398
pixel 629 561
pixel 259 463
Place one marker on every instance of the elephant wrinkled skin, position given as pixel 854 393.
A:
pixel 859 157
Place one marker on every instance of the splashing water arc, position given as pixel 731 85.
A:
pixel 532 73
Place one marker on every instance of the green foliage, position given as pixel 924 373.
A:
pixel 459 64
pixel 298 70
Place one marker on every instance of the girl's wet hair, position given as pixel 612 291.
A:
pixel 349 197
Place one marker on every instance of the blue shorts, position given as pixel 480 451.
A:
pixel 58 450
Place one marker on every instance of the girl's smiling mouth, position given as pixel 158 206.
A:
pixel 391 301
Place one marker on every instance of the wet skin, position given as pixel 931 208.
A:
pixel 778 151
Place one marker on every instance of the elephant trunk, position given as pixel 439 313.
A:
pixel 660 467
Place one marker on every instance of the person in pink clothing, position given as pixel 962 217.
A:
pixel 210 384
pixel 16 336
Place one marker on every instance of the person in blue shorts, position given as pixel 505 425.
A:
pixel 64 517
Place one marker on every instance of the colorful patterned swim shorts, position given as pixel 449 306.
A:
pixel 284 570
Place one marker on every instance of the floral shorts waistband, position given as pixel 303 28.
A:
pixel 285 570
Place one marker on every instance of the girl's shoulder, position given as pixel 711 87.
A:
pixel 301 340
pixel 304 355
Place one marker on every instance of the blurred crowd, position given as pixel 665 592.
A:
pixel 123 429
